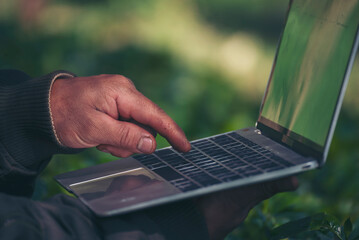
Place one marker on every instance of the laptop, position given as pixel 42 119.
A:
pixel 293 133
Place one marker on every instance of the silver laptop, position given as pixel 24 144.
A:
pixel 295 126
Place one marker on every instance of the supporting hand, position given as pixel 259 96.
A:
pixel 224 211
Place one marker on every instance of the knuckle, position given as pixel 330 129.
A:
pixel 124 81
pixel 125 137
pixel 120 85
pixel 103 76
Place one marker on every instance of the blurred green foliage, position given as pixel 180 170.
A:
pixel 205 62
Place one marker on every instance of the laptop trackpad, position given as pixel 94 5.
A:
pixel 106 194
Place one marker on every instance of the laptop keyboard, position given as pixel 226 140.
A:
pixel 211 161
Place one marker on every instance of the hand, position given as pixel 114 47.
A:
pixel 85 112
pixel 224 211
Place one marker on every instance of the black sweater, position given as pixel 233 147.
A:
pixel 27 143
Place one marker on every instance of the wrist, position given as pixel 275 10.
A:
pixel 51 103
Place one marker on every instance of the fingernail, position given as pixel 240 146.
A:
pixel 145 145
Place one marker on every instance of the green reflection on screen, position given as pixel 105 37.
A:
pixel 311 64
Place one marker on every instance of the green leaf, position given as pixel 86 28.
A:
pixel 354 235
pixel 291 228
pixel 316 235
pixel 318 221
pixel 348 227
pixel 321 224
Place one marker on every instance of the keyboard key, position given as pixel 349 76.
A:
pixel 194 155
pixel 219 172
pixel 165 153
pixel 146 158
pixel 193 173
pixel 203 178
pixel 178 161
pixel 184 184
pixel 150 161
pixel 236 163
pixel 222 140
pixel 168 173
pixel 202 143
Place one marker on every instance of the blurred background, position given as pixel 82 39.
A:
pixel 205 62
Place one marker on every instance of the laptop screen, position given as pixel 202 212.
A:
pixel 309 70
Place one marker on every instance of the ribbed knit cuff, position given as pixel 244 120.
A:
pixel 55 76
pixel 25 125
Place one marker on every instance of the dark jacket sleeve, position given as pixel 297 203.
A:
pixel 27 142
pixel 60 217
pixel 63 217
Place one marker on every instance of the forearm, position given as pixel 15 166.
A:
pixel 63 217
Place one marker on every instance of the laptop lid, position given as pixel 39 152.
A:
pixel 309 76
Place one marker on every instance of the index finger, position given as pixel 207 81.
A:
pixel 144 111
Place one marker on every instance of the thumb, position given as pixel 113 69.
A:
pixel 119 136
pixel 268 189
pixel 261 191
